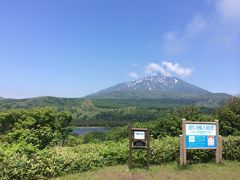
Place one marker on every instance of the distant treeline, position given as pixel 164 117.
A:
pixel 106 112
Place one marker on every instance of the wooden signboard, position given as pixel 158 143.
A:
pixel 138 139
pixel 200 135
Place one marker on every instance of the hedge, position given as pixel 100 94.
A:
pixel 26 162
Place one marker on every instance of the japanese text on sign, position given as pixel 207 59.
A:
pixel 139 135
pixel 201 129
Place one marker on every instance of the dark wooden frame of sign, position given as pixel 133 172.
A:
pixel 183 149
pixel 131 145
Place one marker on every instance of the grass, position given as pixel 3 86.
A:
pixel 229 170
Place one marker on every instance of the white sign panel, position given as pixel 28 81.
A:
pixel 200 129
pixel 139 135
pixel 211 141
pixel 191 139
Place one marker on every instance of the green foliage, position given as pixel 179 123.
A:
pixel 118 133
pixel 231 148
pixel 73 140
pixel 105 112
pixel 38 127
pixel 168 124
pixel 27 136
pixel 94 137
pixel 200 156
pixel 114 153
pixel 15 163
pixel 119 116
pixel 164 150
pixel 229 117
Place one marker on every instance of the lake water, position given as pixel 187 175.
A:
pixel 84 130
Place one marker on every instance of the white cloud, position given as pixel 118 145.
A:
pixel 154 68
pixel 133 75
pixel 229 9
pixel 177 69
pixel 168 68
pixel 175 42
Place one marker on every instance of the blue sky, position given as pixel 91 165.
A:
pixel 74 48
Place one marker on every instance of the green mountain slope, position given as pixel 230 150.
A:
pixel 141 100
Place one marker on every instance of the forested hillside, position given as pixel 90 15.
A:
pixel 108 112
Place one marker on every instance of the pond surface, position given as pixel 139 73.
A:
pixel 84 130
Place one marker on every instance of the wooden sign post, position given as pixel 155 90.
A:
pixel 139 138
pixel 200 135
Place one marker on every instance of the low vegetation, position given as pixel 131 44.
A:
pixel 20 161
pixel 36 143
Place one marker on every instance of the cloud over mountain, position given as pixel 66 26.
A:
pixel 177 69
pixel 154 68
pixel 168 68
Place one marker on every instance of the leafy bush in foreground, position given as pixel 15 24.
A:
pixel 229 117
pixel 39 127
pixel 15 163
pixel 231 148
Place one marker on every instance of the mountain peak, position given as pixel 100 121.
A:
pixel 157 86
pixel 151 83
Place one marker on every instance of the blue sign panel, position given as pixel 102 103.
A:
pixel 193 142
pixel 201 136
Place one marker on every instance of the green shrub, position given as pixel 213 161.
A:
pixel 167 125
pixel 200 156
pixel 94 137
pixel 165 150
pixel 114 152
pixel 117 134
pixel 39 127
pixel 73 140
pixel 231 148
pixel 229 117
pixel 22 161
